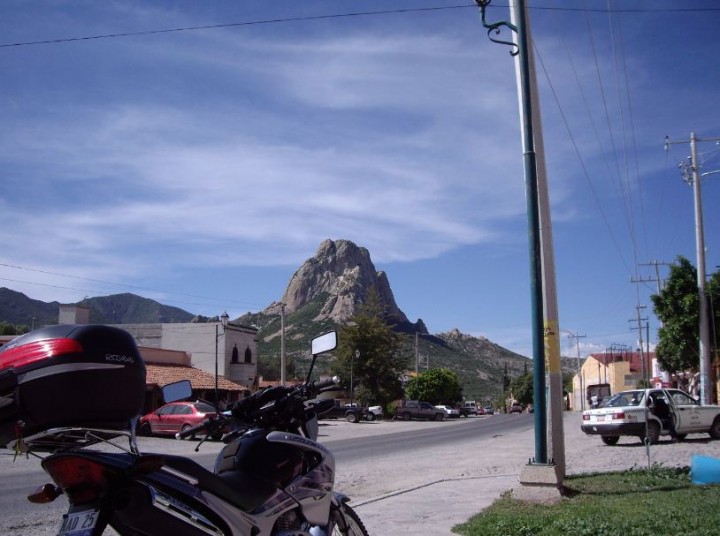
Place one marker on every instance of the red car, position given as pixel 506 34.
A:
pixel 174 417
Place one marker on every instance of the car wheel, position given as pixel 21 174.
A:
pixel 407 416
pixel 351 417
pixel 715 429
pixel 370 417
pixel 145 429
pixel 439 416
pixel 610 440
pixel 653 433
pixel 185 428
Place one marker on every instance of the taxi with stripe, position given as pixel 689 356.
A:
pixel 649 414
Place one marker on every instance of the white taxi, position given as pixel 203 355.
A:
pixel 650 413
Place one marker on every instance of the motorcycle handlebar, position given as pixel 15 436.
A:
pixel 183 434
pixel 249 409
pixel 320 385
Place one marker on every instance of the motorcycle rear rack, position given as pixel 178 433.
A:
pixel 69 438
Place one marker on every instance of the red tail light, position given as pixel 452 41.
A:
pixel 83 480
pixel 586 417
pixel 35 351
pixel 618 415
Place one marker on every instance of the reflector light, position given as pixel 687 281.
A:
pixel 38 350
pixel 81 479
pixel 45 494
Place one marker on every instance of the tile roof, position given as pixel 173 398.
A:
pixel 635 359
pixel 162 374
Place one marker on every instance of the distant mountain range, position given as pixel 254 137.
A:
pixel 322 294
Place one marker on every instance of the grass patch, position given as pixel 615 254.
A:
pixel 653 502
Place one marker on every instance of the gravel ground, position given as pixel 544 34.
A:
pixel 405 493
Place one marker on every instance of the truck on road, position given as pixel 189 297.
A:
pixel 349 412
pixel 417 409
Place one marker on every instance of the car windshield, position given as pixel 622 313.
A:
pixel 626 398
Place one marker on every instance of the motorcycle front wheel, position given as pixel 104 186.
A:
pixel 345 522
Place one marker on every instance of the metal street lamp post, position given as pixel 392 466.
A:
pixel 355 356
pixel 224 322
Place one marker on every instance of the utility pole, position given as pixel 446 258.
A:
pixel 282 344
pixel 545 331
pixel 577 338
pixel 417 363
pixel 691 175
pixel 643 356
pixel 658 279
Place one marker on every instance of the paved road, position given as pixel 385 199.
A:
pixel 409 490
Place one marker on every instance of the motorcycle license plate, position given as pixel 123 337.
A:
pixel 79 523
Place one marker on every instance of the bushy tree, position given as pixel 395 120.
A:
pixel 677 306
pixel 369 351
pixel 437 386
pixel 12 329
pixel 522 388
pixel 713 289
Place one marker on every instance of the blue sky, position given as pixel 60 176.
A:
pixel 201 167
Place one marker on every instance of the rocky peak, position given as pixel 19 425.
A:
pixel 346 274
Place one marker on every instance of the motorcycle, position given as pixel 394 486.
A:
pixel 271 478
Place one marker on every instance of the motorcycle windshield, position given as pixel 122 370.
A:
pixel 312 428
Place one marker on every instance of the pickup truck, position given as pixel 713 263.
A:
pixel 650 413
pixel 351 413
pixel 415 409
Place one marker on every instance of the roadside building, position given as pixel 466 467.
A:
pixel 209 354
pixel 619 371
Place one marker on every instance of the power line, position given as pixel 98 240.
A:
pixel 311 18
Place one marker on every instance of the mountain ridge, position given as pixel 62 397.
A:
pixel 322 294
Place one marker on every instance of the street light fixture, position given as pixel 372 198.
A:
pixel 224 322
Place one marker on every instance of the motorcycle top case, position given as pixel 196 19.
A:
pixel 89 376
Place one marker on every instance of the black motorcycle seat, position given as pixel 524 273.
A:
pixel 214 483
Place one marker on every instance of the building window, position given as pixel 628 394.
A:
pixel 235 354
pixel 248 355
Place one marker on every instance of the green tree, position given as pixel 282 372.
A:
pixel 437 386
pixel 677 306
pixel 12 329
pixel 713 289
pixel 522 388
pixel 369 352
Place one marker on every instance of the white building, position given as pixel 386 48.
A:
pixel 230 351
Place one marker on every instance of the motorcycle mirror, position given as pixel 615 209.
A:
pixel 324 343
pixel 320 345
pixel 172 392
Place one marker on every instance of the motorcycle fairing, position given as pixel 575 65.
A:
pixel 313 488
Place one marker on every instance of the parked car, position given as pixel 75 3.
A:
pixel 470 407
pixel 374 412
pixel 175 417
pixel 516 408
pixel 449 412
pixel 650 413
pixel 489 410
pixel 481 410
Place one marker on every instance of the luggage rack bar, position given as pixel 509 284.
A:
pixel 67 438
